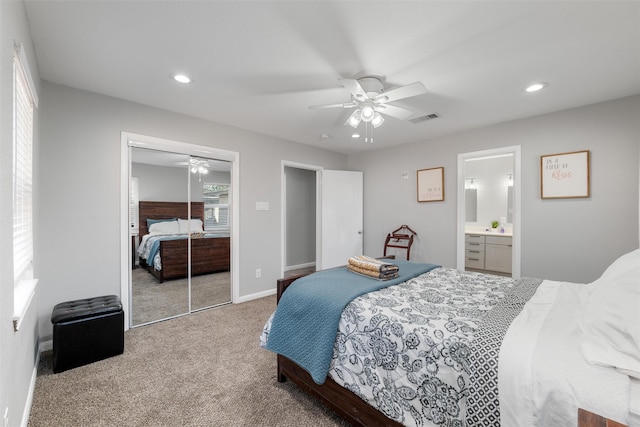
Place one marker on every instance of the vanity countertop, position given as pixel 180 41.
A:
pixel 507 233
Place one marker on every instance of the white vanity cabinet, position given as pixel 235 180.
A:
pixel 474 251
pixel 488 252
pixel 497 254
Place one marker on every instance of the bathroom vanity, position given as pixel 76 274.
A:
pixel 488 252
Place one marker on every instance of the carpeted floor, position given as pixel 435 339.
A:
pixel 204 369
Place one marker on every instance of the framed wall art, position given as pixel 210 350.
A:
pixel 565 175
pixel 431 185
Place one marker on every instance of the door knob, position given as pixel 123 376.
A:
pixel 359 231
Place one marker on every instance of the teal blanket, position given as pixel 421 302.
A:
pixel 305 323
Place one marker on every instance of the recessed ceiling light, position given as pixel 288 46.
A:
pixel 355 136
pixel 181 78
pixel 535 87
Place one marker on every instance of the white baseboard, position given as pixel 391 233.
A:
pixel 32 388
pixel 299 266
pixel 46 346
pixel 256 296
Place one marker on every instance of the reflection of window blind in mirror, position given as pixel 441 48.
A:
pixel 133 205
pixel 216 205
pixel 471 205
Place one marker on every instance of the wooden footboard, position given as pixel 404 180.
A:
pixel 337 398
pixel 208 255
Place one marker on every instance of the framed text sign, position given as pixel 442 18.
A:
pixel 565 175
pixel 431 185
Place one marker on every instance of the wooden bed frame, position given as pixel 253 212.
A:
pixel 208 254
pixel 355 410
pixel 340 400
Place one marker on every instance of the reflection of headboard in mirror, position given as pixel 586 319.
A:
pixel 161 210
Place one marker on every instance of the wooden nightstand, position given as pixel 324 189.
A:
pixel 589 419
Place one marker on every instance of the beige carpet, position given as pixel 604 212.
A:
pixel 154 301
pixel 204 369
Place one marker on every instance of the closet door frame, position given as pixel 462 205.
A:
pixel 130 140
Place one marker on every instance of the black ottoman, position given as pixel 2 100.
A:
pixel 87 330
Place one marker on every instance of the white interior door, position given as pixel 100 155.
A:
pixel 341 217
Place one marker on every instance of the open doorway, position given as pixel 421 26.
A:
pixel 322 217
pixel 300 204
pixel 490 239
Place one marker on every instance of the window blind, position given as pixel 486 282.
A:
pixel 22 171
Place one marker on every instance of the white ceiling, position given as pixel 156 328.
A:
pixel 258 65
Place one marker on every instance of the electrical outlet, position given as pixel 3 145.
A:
pixel 5 419
pixel 258 273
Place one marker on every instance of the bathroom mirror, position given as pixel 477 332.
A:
pixel 489 190
pixel 471 204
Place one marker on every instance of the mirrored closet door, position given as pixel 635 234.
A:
pixel 180 235
pixel 210 238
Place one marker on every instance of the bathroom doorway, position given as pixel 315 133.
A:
pixel 477 222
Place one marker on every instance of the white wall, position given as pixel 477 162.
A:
pixel 18 350
pixel 162 183
pixel 564 239
pixel 80 249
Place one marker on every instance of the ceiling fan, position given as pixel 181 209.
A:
pixel 371 101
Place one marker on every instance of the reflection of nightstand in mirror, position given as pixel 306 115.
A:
pixel 134 258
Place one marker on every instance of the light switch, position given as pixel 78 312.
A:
pixel 262 206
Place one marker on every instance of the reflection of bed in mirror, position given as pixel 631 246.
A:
pixel 164 233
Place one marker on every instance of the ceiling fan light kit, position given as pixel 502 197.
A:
pixel 371 103
pixel 377 120
pixel 354 119
pixel 367 112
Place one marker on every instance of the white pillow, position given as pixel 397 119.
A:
pixel 165 227
pixel 190 226
pixel 622 265
pixel 610 321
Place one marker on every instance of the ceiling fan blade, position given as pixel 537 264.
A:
pixel 413 89
pixel 354 87
pixel 393 111
pixel 345 105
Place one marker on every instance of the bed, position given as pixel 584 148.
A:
pixel 165 232
pixel 544 332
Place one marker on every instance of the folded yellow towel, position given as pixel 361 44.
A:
pixel 372 273
pixel 373 264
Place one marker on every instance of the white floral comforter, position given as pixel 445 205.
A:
pixel 405 349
